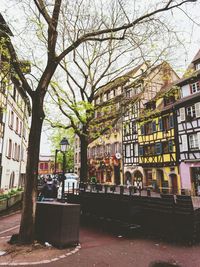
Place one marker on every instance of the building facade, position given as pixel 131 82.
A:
pixel 154 80
pixel 14 120
pixel 158 149
pixel 188 117
pixel 15 138
pixel 47 165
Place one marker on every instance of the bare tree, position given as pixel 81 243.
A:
pixel 85 21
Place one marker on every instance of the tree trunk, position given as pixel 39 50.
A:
pixel 84 163
pixel 26 233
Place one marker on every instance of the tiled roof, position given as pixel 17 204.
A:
pixel 191 76
pixel 188 98
pixel 197 56
pixel 119 80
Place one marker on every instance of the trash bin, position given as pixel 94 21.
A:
pixel 57 223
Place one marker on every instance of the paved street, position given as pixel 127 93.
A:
pixel 102 249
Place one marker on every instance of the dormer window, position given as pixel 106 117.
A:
pixel 169 100
pixel 195 87
pixel 197 66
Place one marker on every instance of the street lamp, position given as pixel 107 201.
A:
pixel 63 148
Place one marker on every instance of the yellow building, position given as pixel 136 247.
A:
pixel 157 144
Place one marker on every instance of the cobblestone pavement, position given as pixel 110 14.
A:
pixel 101 249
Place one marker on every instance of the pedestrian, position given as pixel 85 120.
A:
pixel 128 184
pixel 49 189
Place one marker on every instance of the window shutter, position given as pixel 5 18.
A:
pixel 141 150
pixel 171 121
pixel 182 114
pixel 197 109
pixel 158 148
pixel 142 129
pixel 184 146
pixel 170 146
pixel 160 123
pixel 154 126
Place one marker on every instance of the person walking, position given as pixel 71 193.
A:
pixel 49 189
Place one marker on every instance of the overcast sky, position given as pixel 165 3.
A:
pixel 189 30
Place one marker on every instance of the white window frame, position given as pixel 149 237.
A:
pixel 193 141
pixel 195 87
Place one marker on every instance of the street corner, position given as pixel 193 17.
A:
pixel 14 255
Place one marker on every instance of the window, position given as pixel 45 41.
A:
pixel 197 66
pixel 11 119
pixel 167 147
pixel 171 121
pixel 158 148
pixel 128 151
pixel 148 128
pixel 128 92
pixel 142 129
pixel 160 123
pixel 41 166
pixel 18 153
pixel 15 152
pixel 153 126
pixel 14 93
pixel 169 100
pixel 193 141
pixel 17 125
pixel 9 148
pixel 46 166
pixel 107 149
pixel 20 128
pixel 191 112
pixel 126 129
pixel 195 87
pixel 170 146
pixel 134 127
pixel 149 150
pixel 141 150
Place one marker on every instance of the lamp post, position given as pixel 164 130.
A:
pixel 55 165
pixel 63 148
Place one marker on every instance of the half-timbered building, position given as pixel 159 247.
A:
pixel 156 136
pixel 188 117
pixel 154 80
pixel 105 153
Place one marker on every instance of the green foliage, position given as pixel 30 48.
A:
pixel 55 139
pixel 7 194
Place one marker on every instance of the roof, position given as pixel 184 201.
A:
pixel 190 76
pixel 188 98
pixel 191 66
pixel 4 26
pixel 164 89
pixel 46 158
pixel 197 57
pixel 119 80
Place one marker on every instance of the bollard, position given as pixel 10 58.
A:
pixel 121 189
pixel 130 190
pixel 148 192
pixel 106 188
pixel 134 189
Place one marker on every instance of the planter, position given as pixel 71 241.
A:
pixel 3 204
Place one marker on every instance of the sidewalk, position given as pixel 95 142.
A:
pixel 97 248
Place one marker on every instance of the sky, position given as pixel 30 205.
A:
pixel 188 30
